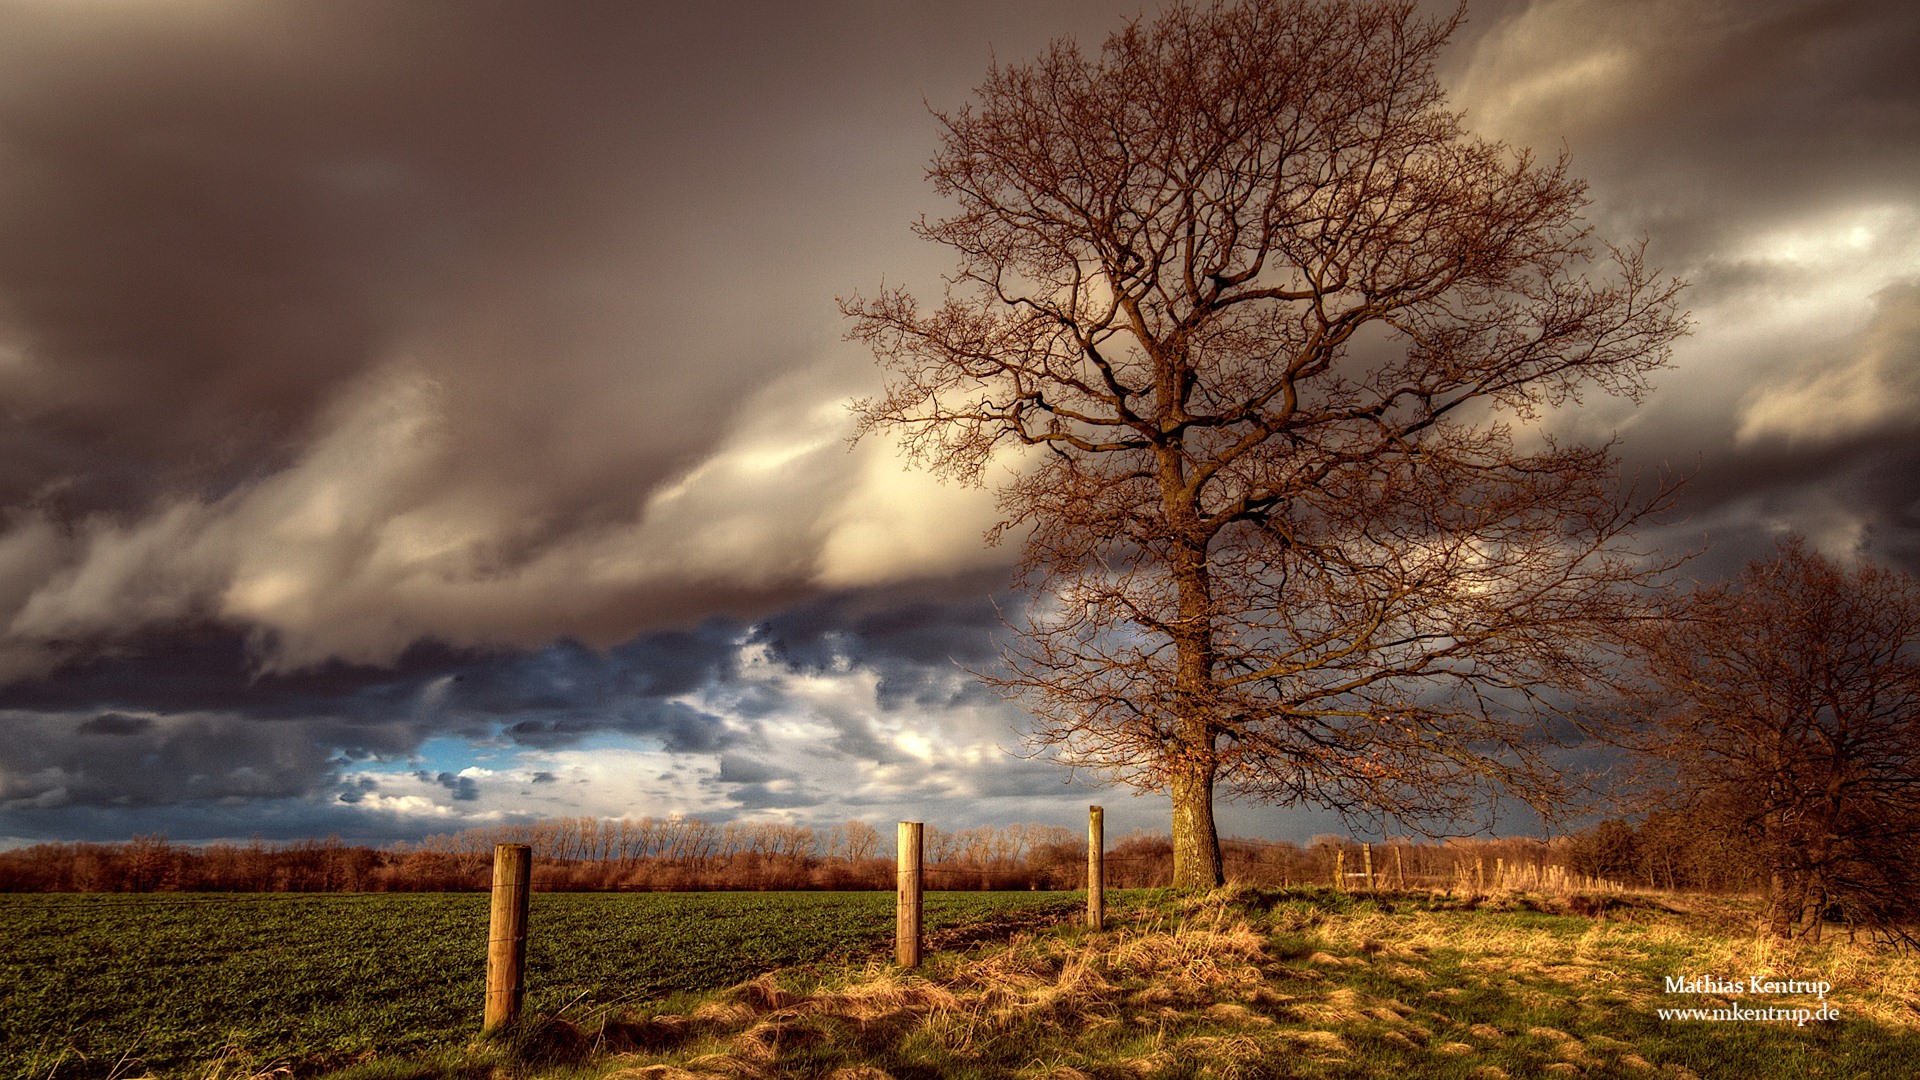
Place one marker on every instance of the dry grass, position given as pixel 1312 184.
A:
pixel 1198 982
pixel 1243 985
pixel 1611 956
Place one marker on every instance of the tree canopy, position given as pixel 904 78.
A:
pixel 1784 712
pixel 1278 326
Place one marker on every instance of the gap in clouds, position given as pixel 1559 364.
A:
pixel 854 705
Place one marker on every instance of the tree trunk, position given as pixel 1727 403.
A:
pixel 1196 845
pixel 1813 907
pixel 1785 892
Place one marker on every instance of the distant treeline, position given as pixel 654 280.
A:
pixel 1667 850
pixel 683 853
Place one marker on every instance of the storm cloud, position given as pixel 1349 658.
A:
pixel 416 415
pixel 1770 154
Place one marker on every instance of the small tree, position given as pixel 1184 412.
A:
pixel 1608 850
pixel 1785 712
pixel 1263 301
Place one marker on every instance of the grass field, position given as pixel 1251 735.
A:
pixel 1239 985
pixel 99 985
pixel 1304 985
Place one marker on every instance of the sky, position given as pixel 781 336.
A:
pixel 422 416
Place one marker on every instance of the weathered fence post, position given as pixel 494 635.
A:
pixel 507 934
pixel 1096 868
pixel 1340 869
pixel 1499 873
pixel 1366 856
pixel 907 913
pixel 1399 869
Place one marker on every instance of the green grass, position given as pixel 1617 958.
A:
pixel 1238 985
pixel 1251 984
pixel 161 984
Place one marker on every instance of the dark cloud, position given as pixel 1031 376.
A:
pixel 190 717
pixel 212 669
pixel 115 724
pixel 678 728
pixel 859 738
pixel 215 219
pixel 1770 153
pixel 392 389
pixel 740 769
pixel 357 326
pixel 54 763
pixel 549 697
pixel 917 640
pixel 355 822
pixel 355 791
pixel 568 675
pixel 750 784
pixel 464 788
pixel 1699 120
pixel 944 623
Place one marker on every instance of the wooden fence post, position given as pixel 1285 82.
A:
pixel 907 909
pixel 1366 855
pixel 1399 869
pixel 1340 869
pixel 507 935
pixel 1096 868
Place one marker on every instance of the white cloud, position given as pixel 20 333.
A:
pixel 1862 378
pixel 376 537
pixel 415 806
pixel 159 569
pixel 1563 67
pixel 894 523
pixel 31 551
pixel 1872 388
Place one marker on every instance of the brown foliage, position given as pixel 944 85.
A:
pixel 1667 850
pixel 1263 301
pixel 1019 856
pixel 1784 713
pixel 570 854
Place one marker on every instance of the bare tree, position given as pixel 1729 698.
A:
pixel 1785 710
pixel 855 841
pixel 1271 314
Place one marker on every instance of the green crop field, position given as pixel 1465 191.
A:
pixel 99 985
